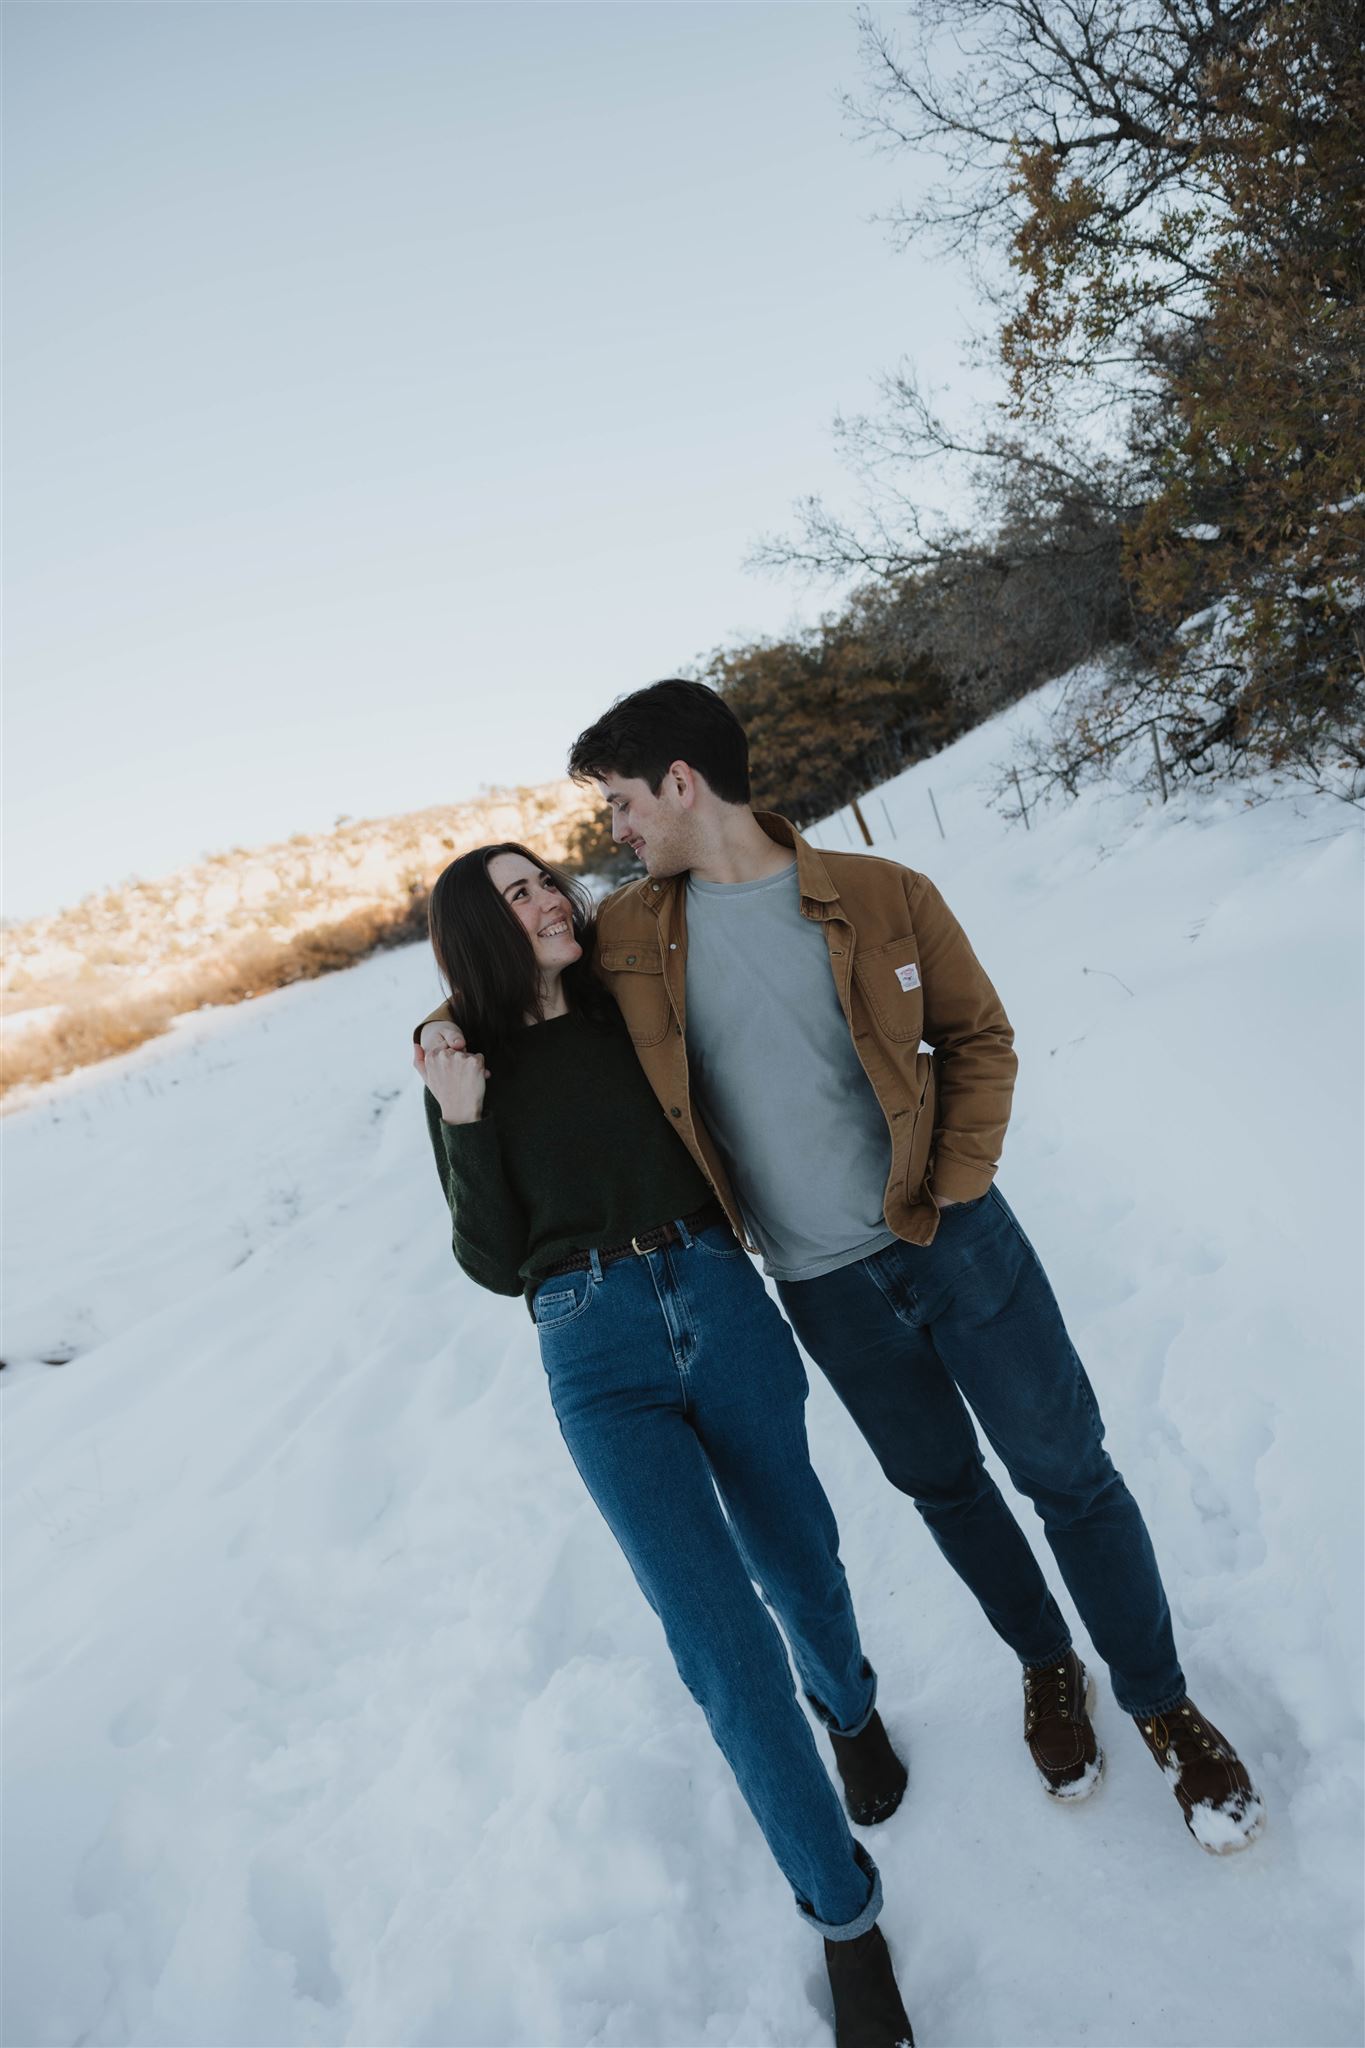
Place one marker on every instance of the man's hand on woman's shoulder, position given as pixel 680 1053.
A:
pixel 439 1034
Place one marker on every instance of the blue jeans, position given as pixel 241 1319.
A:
pixel 913 1337
pixel 673 1379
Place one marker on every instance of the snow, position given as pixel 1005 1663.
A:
pixel 1079 1788
pixel 1220 1829
pixel 17 1022
pixel 335 1717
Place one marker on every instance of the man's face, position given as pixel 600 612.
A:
pixel 659 830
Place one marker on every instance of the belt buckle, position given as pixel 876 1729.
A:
pixel 641 1250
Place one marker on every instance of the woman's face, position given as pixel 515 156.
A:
pixel 541 909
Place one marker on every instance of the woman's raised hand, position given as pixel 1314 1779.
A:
pixel 455 1077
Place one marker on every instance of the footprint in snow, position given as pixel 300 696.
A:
pixel 289 1910
pixel 133 1723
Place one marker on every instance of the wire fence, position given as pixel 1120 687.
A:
pixel 866 822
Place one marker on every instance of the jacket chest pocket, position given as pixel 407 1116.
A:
pixel 888 978
pixel 636 977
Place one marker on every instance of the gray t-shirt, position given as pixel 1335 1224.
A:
pixel 777 1079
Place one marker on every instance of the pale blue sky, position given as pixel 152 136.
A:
pixel 388 386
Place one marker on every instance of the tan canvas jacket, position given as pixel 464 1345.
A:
pixel 904 973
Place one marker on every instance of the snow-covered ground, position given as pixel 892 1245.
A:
pixel 333 1714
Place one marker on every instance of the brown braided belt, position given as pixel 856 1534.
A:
pixel 654 1240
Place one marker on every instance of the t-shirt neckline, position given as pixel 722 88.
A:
pixel 783 875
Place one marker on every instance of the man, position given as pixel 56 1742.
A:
pixel 836 1059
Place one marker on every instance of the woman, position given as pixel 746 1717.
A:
pixel 669 1369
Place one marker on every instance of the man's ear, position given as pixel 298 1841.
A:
pixel 686 783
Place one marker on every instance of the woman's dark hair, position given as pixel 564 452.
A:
pixel 645 733
pixel 486 957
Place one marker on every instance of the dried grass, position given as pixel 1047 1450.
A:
pixel 101 1029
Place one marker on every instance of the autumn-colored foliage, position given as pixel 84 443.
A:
pixel 1237 281
pixel 826 718
pixel 1260 409
pixel 1177 188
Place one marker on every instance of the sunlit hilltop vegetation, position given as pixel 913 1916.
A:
pixel 102 977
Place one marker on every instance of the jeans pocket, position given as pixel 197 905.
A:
pixel 719 1241
pixel 558 1300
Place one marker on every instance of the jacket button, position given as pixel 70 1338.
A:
pixel 631 958
pixel 675 1112
pixel 672 945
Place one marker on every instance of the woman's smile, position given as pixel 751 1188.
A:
pixel 537 903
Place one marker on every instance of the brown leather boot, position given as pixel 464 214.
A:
pixel 1057 1728
pixel 874 1778
pixel 1222 1808
pixel 867 2005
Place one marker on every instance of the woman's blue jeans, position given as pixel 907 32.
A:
pixel 915 1336
pixel 674 1380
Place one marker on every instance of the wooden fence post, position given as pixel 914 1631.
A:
pixel 1160 764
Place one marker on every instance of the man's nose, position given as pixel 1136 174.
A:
pixel 618 829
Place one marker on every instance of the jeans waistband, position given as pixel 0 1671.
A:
pixel 652 1240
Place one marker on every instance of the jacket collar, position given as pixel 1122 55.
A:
pixel 813 877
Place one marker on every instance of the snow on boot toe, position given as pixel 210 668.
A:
pixel 1058 1729
pixel 1223 1829
pixel 1222 1808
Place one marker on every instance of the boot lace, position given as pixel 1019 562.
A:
pixel 1047 1696
pixel 1182 1738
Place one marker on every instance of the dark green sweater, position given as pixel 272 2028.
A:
pixel 572 1153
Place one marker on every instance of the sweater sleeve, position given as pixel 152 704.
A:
pixel 489 1230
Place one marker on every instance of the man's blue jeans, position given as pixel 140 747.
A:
pixel 673 1376
pixel 913 1337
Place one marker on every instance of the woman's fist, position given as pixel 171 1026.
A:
pixel 457 1080
pixel 455 1077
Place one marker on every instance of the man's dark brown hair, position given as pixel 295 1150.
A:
pixel 644 733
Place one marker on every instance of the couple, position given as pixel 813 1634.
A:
pixel 730 1061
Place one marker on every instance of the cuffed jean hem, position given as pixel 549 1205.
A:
pixel 1162 1706
pixel 851 1929
pixel 1053 1657
pixel 827 1720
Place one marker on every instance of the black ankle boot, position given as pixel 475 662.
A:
pixel 867 2006
pixel 873 1775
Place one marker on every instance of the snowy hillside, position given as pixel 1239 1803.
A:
pixel 335 1717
